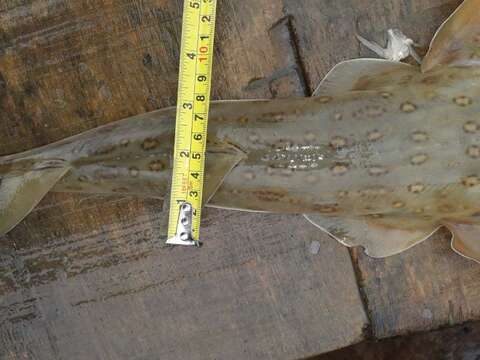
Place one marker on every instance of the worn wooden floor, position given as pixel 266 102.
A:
pixel 86 277
pixel 460 342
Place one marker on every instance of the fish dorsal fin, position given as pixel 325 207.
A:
pixel 364 74
pixel 220 160
pixel 465 239
pixel 378 239
pixel 457 41
pixel 19 194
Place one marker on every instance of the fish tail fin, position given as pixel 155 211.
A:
pixel 23 183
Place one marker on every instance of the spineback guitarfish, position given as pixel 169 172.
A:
pixel 382 156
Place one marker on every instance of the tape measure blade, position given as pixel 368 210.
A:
pixel 193 100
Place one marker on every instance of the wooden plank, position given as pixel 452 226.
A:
pixel 458 342
pixel 86 277
pixel 429 286
pixel 112 291
pixel 326 29
pixel 70 66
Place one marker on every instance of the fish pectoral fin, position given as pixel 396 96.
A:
pixel 465 239
pixel 457 41
pixel 220 160
pixel 379 238
pixel 364 74
pixel 19 194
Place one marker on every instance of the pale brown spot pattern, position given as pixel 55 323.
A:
pixel 463 100
pixel 133 171
pixel 418 159
pixel 156 165
pixel 470 127
pixel 398 204
pixel 473 151
pixel 374 135
pixel 419 136
pixel 471 181
pixel 416 188
pixel 338 142
pixel 408 107
pixel 339 169
pixel 150 144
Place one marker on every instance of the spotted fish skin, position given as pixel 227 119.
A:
pixel 404 149
pixel 130 156
pixel 383 155
pixel 405 154
pixel 133 156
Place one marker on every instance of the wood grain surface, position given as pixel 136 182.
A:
pixel 112 291
pixel 87 277
pixel 457 342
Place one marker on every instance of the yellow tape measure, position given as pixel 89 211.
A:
pixel 191 124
